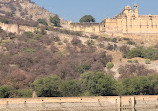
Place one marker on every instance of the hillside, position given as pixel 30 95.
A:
pixel 25 9
pixel 54 61
pixel 53 53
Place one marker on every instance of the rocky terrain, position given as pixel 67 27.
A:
pixel 25 9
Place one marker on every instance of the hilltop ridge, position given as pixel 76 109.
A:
pixel 25 9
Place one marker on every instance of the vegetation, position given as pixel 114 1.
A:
pixel 129 70
pixel 24 93
pixel 147 61
pixel 90 84
pixel 87 18
pixel 42 21
pixel 48 86
pixel 4 21
pixel 55 21
pixel 5 91
pixel 15 20
pixel 148 53
pixel 35 55
pixel 109 65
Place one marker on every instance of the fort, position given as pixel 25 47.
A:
pixel 127 22
pixel 110 103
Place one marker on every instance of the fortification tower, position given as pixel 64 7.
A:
pixel 135 11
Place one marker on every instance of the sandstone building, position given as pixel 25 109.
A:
pixel 128 21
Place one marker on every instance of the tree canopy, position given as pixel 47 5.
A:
pixel 55 21
pixel 47 86
pixel 87 18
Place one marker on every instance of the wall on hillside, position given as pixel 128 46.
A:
pixel 14 28
pixel 86 27
pixel 110 103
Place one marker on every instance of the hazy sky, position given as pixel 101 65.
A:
pixel 74 9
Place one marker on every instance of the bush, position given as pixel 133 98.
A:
pixel 147 61
pixel 5 91
pixel 25 93
pixel 4 21
pixel 135 61
pixel 109 65
pixel 127 39
pixel 28 34
pixel 124 49
pixel 90 42
pixel 129 42
pixel 149 53
pixel 129 70
pixel 135 52
pixel 114 40
pixel 94 37
pixel 76 41
pixel 42 21
pixel 129 61
pixel 30 50
pixel 110 47
pixel 82 68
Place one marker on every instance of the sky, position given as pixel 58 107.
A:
pixel 73 10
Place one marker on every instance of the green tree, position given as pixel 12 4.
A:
pixel 47 86
pixel 145 85
pixel 42 21
pixel 98 84
pixel 55 21
pixel 70 88
pixel 154 84
pixel 5 91
pixel 130 86
pixel 87 18
pixel 24 93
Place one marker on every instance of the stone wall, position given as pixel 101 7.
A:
pixel 86 27
pixel 110 103
pixel 18 29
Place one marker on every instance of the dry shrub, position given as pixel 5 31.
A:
pixel 129 70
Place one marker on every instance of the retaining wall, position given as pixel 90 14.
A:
pixel 110 103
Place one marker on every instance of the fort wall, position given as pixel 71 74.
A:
pixel 110 103
pixel 85 27
pixel 18 29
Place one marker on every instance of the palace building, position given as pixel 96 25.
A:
pixel 128 21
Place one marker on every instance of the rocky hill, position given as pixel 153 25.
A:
pixel 25 9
